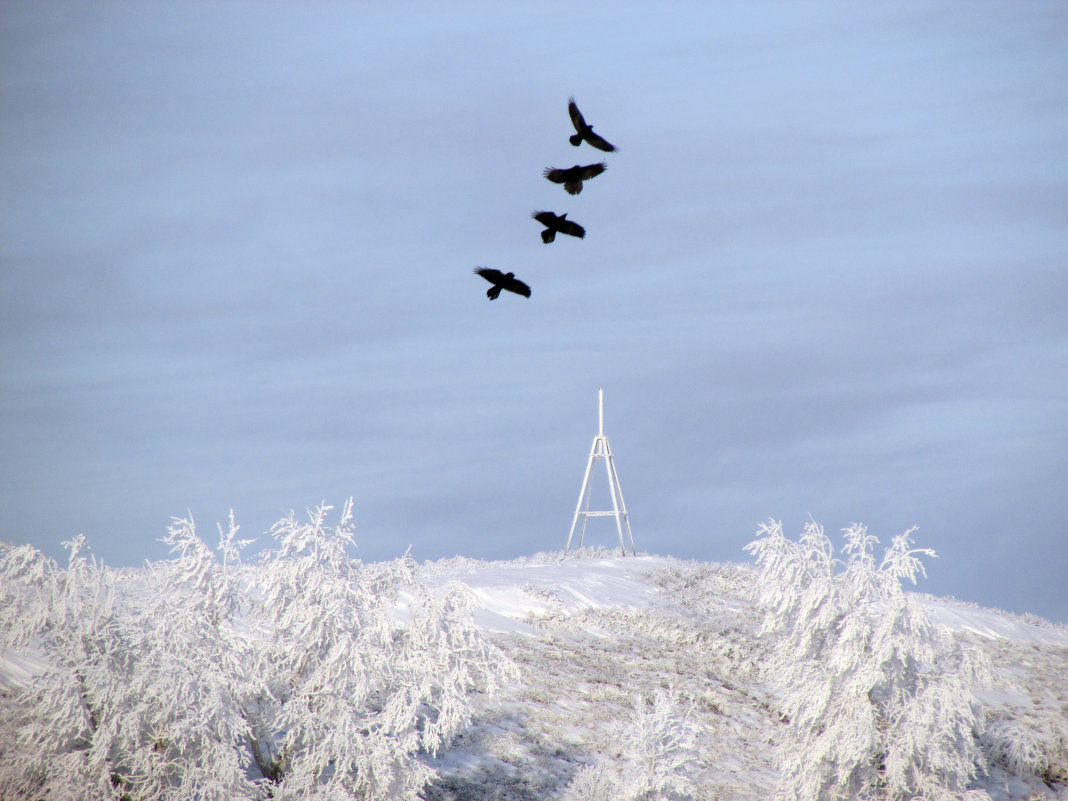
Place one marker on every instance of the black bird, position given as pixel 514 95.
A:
pixel 557 222
pixel 585 131
pixel 573 177
pixel 502 281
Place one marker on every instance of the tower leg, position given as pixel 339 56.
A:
pixel 583 493
pixel 613 487
pixel 622 510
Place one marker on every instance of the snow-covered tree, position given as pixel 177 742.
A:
pixel 191 671
pixel 137 697
pixel 878 697
pixel 658 755
pixel 304 676
pixel 352 695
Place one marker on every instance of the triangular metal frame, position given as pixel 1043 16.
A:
pixel 601 450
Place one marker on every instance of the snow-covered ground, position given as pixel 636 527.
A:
pixel 591 631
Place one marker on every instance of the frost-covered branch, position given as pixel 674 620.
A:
pixel 878 698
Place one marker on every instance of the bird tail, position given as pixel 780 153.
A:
pixel 573 187
pixel 548 235
pixel 575 139
pixel 493 292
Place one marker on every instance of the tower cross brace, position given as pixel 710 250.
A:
pixel 601 450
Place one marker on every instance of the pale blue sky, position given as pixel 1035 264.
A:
pixel 824 276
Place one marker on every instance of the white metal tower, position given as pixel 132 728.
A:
pixel 601 450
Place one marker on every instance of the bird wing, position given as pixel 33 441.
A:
pixel 590 170
pixel 517 286
pixel 572 228
pixel 555 175
pixel 576 116
pixel 600 142
pixel 491 275
pixel 545 217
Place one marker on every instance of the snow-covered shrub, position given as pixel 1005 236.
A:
pixel 303 677
pixel 878 698
pixel 1017 746
pixel 190 672
pixel 593 783
pixel 138 695
pixel 657 756
pixel 352 695
pixel 48 741
pixel 1030 736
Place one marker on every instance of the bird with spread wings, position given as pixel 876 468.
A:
pixel 502 281
pixel 584 131
pixel 557 223
pixel 573 177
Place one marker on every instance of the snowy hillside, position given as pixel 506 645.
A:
pixel 584 676
pixel 591 632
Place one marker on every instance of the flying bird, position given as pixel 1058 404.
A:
pixel 585 130
pixel 557 223
pixel 573 177
pixel 502 281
